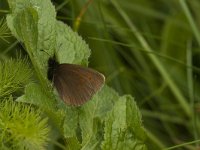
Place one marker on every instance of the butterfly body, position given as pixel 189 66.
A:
pixel 75 84
pixel 52 66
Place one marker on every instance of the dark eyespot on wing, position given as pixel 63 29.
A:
pixel 76 84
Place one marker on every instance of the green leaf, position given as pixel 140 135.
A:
pixel 25 24
pixel 93 113
pixel 33 23
pixel 70 47
pixel 73 144
pixel 123 128
pixel 46 20
pixel 88 119
pixel 37 95
pixel 71 123
pixel 123 125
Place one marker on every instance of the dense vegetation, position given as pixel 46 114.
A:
pixel 147 49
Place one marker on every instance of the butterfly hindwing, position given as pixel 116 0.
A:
pixel 76 84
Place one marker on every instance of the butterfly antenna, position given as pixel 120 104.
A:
pixel 45 52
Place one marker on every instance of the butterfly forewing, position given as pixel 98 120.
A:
pixel 76 84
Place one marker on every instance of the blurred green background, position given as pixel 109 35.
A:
pixel 149 49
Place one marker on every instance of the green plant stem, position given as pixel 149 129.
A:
pixel 181 145
pixel 190 20
pixel 155 140
pixel 62 5
pixel 191 92
pixel 58 144
pixel 81 14
pixel 4 11
pixel 10 47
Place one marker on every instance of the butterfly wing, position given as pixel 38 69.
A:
pixel 76 84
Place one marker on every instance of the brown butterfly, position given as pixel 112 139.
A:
pixel 75 84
